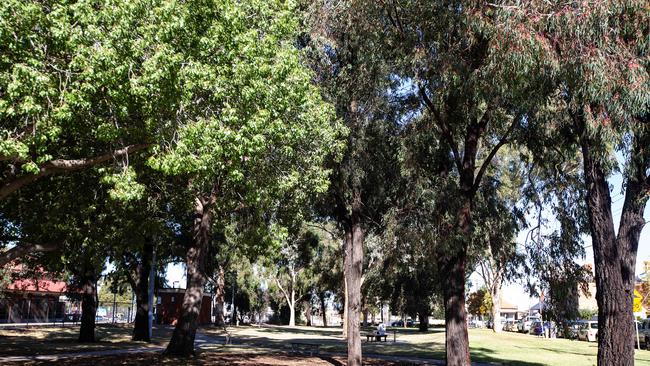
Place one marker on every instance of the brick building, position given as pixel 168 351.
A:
pixel 168 307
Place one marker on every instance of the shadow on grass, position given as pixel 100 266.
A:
pixel 42 341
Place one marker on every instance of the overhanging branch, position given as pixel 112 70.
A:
pixel 23 249
pixel 442 124
pixel 58 166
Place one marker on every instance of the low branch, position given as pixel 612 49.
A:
pixel 23 249
pixel 495 149
pixel 64 165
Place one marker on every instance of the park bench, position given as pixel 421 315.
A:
pixel 376 337
pixel 304 347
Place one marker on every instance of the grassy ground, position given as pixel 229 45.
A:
pixel 265 346
pixel 486 346
pixel 44 341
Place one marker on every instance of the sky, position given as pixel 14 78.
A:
pixel 516 294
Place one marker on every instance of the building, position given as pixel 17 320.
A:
pixel 33 301
pixel 170 301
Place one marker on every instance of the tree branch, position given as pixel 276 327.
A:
pixel 64 165
pixel 495 149
pixel 442 124
pixel 22 249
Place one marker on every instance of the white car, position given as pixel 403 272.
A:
pixel 588 331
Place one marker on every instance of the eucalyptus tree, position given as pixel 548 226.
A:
pixel 477 81
pixel 291 263
pixel 355 81
pixel 254 130
pixel 599 54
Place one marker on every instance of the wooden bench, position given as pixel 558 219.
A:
pixel 376 337
pixel 303 347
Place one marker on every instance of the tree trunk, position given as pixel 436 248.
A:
pixel 614 257
pixel 353 271
pixel 365 317
pixel 182 342
pixel 308 313
pixel 423 317
pixel 220 297
pixel 345 300
pixel 323 308
pixel 292 305
pixel 495 292
pixel 141 324
pixel 88 310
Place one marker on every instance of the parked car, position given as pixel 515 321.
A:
pixel 570 330
pixel 510 326
pixel 588 331
pixel 536 328
pixel 524 326
pixel 400 323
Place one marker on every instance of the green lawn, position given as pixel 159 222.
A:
pixel 486 346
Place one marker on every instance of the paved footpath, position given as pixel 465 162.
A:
pixel 204 340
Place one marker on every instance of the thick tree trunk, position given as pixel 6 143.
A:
pixel 141 324
pixel 353 271
pixel 88 310
pixel 323 308
pixel 614 257
pixel 423 317
pixel 182 342
pixel 220 297
pixel 456 337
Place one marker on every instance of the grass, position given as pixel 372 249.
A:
pixel 254 345
pixel 45 341
pixel 485 346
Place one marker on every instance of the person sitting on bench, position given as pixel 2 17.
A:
pixel 381 331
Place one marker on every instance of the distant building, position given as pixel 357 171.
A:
pixel 34 301
pixel 170 302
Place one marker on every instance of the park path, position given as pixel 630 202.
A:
pixel 205 340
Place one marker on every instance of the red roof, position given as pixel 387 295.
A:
pixel 31 285
pixel 43 284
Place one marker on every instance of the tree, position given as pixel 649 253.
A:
pixel 342 55
pixel 255 131
pixel 69 101
pixel 291 274
pixel 480 302
pixel 600 72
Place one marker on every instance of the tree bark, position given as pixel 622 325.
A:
pixel 88 310
pixel 323 308
pixel 423 317
pixel 353 271
pixel 345 293
pixel 141 323
pixel 495 292
pixel 220 297
pixel 614 256
pixel 456 337
pixel 182 342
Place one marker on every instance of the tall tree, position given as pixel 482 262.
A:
pixel 354 80
pixel 255 131
pixel 475 95
pixel 599 54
